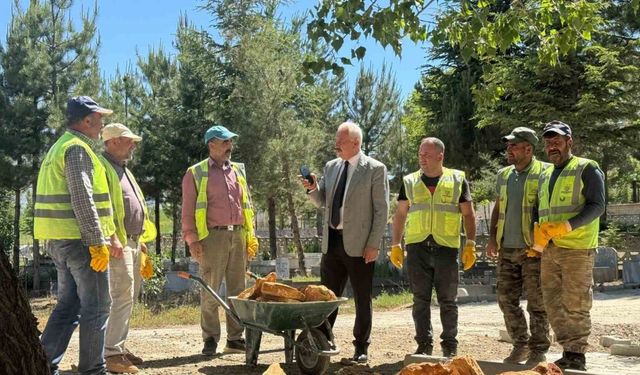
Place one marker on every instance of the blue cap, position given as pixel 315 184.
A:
pixel 218 132
pixel 79 107
pixel 557 127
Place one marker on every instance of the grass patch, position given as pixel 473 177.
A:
pixel 144 317
pixel 305 279
pixel 386 301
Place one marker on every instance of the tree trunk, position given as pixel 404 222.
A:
pixel 273 244
pixel 20 348
pixel 36 247
pixel 16 233
pixel 174 232
pixel 157 213
pixel 302 270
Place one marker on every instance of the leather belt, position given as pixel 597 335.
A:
pixel 230 228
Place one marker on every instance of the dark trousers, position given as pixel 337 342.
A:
pixel 433 266
pixel 336 267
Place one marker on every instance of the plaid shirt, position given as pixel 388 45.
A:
pixel 78 170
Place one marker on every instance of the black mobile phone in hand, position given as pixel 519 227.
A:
pixel 304 172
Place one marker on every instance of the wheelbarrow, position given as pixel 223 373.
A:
pixel 312 348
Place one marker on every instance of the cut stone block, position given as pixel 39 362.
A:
pixel 625 350
pixel 607 341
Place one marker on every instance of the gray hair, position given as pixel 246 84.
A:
pixel 354 130
pixel 434 141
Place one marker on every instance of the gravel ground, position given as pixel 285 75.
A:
pixel 175 350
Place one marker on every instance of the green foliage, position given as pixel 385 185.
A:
pixel 154 287
pixel 6 221
pixel 612 237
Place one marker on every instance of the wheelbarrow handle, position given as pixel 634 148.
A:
pixel 227 309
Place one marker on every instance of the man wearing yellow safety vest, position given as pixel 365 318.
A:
pixel 432 202
pixel 571 196
pixel 133 229
pixel 217 224
pixel 511 230
pixel 73 212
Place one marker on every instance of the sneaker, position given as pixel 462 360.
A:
pixel 572 361
pixel 536 357
pixel 518 354
pixel 133 358
pixel 424 349
pixel 235 346
pixel 449 351
pixel 119 364
pixel 210 346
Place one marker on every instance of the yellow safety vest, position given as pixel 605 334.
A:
pixel 117 199
pixel 529 199
pixel 53 216
pixel 438 215
pixel 200 173
pixel 565 202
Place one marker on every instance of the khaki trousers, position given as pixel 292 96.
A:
pixel 124 283
pixel 223 257
pixel 567 275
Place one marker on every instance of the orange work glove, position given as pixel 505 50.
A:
pixel 146 266
pixel 252 246
pixel 555 229
pixel 99 257
pixel 540 239
pixel 397 256
pixel 533 254
pixel 469 254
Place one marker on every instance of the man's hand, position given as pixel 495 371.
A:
pixel 533 254
pixel 307 185
pixel 397 256
pixel 99 257
pixel 469 254
pixel 540 239
pixel 143 248
pixel 492 247
pixel 146 266
pixel 370 254
pixel 115 248
pixel 555 228
pixel 252 247
pixel 196 251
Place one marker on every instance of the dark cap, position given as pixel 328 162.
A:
pixel 79 107
pixel 557 127
pixel 522 134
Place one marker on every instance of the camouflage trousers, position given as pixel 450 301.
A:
pixel 567 275
pixel 518 273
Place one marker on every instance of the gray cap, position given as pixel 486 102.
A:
pixel 557 127
pixel 522 134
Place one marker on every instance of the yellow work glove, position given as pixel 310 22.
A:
pixel 540 239
pixel 397 256
pixel 533 254
pixel 469 254
pixel 252 246
pixel 99 257
pixel 555 228
pixel 146 266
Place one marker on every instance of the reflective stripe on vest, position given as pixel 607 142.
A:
pixel 565 202
pixel 115 189
pixel 529 198
pixel 200 173
pixel 438 215
pixel 53 216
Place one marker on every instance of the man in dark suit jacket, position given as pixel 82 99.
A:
pixel 354 192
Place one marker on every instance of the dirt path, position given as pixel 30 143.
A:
pixel 175 350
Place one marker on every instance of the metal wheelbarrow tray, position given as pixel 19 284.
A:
pixel 312 347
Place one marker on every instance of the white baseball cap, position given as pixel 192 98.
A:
pixel 116 130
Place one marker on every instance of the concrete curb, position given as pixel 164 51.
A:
pixel 625 350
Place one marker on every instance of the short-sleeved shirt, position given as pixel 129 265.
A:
pixel 431 183
pixel 512 237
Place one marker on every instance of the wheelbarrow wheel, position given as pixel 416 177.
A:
pixel 309 361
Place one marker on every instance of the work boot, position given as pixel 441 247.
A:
pixel 572 361
pixel 449 351
pixel 133 358
pixel 536 357
pixel 119 364
pixel 235 346
pixel 518 354
pixel 210 346
pixel 425 349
